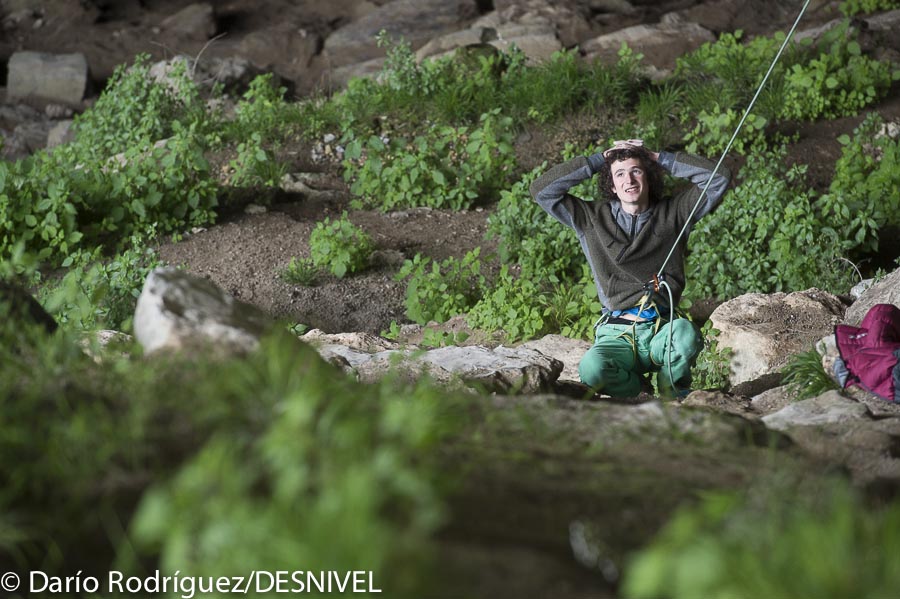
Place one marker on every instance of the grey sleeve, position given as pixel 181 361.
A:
pixel 697 170
pixel 551 190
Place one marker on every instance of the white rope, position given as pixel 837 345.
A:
pixel 687 224
pixel 733 137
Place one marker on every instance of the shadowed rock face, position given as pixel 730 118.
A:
pixel 18 305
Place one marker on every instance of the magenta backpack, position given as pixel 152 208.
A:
pixel 870 353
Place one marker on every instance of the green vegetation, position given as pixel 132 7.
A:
pixel 806 376
pixel 300 271
pixel 854 7
pixel 775 541
pixel 440 290
pixel 713 367
pixel 278 454
pixel 340 246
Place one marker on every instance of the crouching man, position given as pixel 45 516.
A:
pixel 626 239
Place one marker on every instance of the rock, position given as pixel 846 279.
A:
pixel 538 43
pixel 565 23
pixel 877 406
pixel 839 430
pixel 416 21
pixel 885 291
pixel 17 304
pixel 443 44
pixel 361 342
pixel 763 331
pixel 501 369
pixel 828 408
pixel 720 402
pixel 194 22
pixel 861 288
pixel 566 350
pixel 293 48
pixel 618 7
pixel 660 44
pixel 773 400
pixel 60 134
pixel 178 311
pixel 339 77
pixel 58 78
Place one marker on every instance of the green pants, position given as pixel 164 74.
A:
pixel 623 353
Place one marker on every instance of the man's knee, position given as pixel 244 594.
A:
pixel 595 369
pixel 686 342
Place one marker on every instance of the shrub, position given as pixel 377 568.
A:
pixel 864 195
pixel 438 291
pixel 531 238
pixel 839 82
pixel 513 305
pixel 82 195
pixel 257 461
pixel 759 226
pixel 713 367
pixel 446 167
pixel 340 246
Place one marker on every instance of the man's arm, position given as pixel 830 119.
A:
pixel 697 170
pixel 551 190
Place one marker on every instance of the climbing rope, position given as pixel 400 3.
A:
pixel 658 280
pixel 687 224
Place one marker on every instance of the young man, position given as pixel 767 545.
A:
pixel 626 240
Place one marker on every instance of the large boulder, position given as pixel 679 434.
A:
pixel 837 429
pixel 55 78
pixel 764 331
pixel 885 291
pixel 177 311
pixel 193 22
pixel 501 369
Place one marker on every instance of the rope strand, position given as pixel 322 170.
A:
pixel 733 137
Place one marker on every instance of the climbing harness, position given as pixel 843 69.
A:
pixel 658 281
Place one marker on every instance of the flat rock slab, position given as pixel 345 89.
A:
pixel 502 369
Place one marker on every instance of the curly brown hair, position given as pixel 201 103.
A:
pixel 654 172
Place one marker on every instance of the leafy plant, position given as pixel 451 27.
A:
pixel 759 226
pixel 446 167
pixel 864 195
pixel 806 376
pixel 839 82
pixel 437 291
pixel 340 246
pixel 513 306
pixel 530 237
pixel 713 367
pixel 300 271
pixel 854 7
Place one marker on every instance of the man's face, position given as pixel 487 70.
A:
pixel 630 183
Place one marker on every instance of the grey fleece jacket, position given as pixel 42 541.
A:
pixel 625 251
